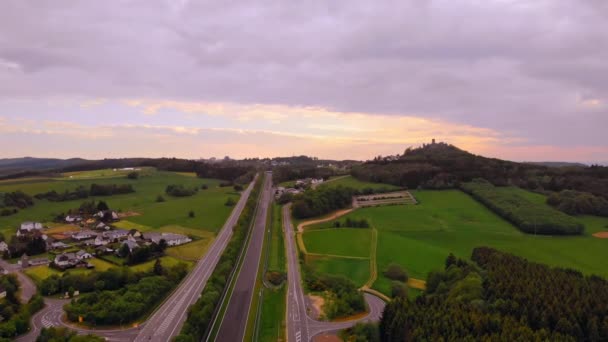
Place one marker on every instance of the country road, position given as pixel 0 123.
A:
pixel 234 321
pixel 300 327
pixel 166 322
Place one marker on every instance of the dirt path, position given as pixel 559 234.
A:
pixel 333 216
pixel 601 235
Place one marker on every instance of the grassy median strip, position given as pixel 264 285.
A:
pixel 211 304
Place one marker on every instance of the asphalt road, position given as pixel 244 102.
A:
pixel 166 322
pixel 234 321
pixel 27 288
pixel 300 327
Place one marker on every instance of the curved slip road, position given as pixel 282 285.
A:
pixel 234 321
pixel 166 322
pixel 300 327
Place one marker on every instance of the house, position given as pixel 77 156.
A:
pixel 101 241
pixel 103 250
pixel 24 261
pixel 116 234
pixel 132 245
pixel 108 214
pixel 170 238
pixel 65 260
pixel 84 235
pixel 3 270
pixel 59 245
pixel 134 233
pixel 3 246
pixel 39 261
pixel 2 292
pixel 27 228
pixel 82 254
pixel 73 218
pixel 102 226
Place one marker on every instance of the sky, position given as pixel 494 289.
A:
pixel 519 80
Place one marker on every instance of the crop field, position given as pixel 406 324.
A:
pixel 350 181
pixel 420 237
pixel 210 211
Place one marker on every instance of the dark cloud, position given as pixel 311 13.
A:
pixel 536 69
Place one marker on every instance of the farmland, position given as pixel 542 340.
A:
pixel 420 237
pixel 208 206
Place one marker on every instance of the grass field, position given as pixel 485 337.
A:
pixel 166 261
pixel 208 205
pixel 276 259
pixel 420 237
pixel 352 182
pixel 349 242
pixel 355 269
pixel 39 273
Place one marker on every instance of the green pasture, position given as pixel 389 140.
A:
pixel 348 242
pixel 355 269
pixel 420 237
pixel 208 205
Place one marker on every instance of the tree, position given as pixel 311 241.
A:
pixel 158 268
pixel 191 214
pixel 133 175
pixel 124 251
pixel 160 199
pixel 398 289
pixel 102 206
pixel 451 260
pixel 396 272
pixel 230 202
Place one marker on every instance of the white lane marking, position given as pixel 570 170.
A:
pixel 298 336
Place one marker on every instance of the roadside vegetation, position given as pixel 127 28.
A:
pixel 15 315
pixel 271 326
pixel 501 297
pixel 54 334
pixel 202 312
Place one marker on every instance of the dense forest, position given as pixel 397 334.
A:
pixel 286 173
pixel 438 166
pixel 201 313
pixel 501 298
pixel 529 217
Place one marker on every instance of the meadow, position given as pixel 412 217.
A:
pixel 208 206
pixel 420 237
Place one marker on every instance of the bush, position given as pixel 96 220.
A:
pixel 230 202
pixel 180 191
pixel 578 203
pixel 160 199
pixel 398 289
pixel 191 214
pixel 133 175
pixel 204 187
pixel 238 187
pixel 322 201
pixel 396 272
pixel 529 217
pixel 8 212
pixel 275 278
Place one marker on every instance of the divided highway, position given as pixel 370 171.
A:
pixel 300 327
pixel 234 321
pixel 168 320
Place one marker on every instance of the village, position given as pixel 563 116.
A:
pixel 298 187
pixel 83 238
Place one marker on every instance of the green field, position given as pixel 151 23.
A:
pixel 350 181
pixel 420 237
pixel 208 205
pixel 355 269
pixel 349 242
pixel 276 259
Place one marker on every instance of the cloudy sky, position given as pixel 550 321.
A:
pixel 521 80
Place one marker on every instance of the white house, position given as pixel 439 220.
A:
pixel 82 254
pixel 65 260
pixel 115 234
pixel 170 238
pixel 73 218
pixel 132 245
pixel 101 241
pixel 29 227
pixel 3 246
pixel 84 235
pixel 2 292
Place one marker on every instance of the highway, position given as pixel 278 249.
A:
pixel 234 322
pixel 300 327
pixel 166 322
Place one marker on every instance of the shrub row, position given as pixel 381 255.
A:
pixel 529 217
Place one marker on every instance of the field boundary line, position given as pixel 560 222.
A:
pixel 373 266
pixel 332 216
pixel 338 256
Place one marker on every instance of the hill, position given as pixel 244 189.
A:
pixel 443 166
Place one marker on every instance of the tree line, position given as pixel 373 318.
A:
pixel 322 201
pixel 15 315
pixel 574 202
pixel 82 192
pixel 528 216
pixel 202 312
pixel 501 298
